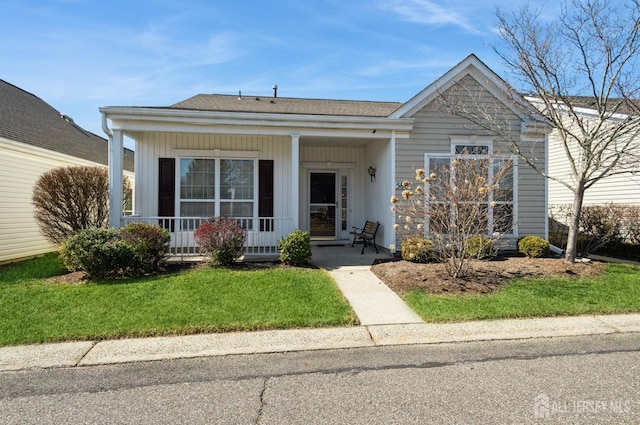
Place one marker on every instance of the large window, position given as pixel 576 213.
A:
pixel 216 186
pixel 450 200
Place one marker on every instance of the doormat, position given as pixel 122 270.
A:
pixel 325 245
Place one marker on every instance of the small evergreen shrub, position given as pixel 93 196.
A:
pixel 533 246
pixel 417 250
pixel 222 238
pixel 101 254
pixel 295 248
pixel 480 247
pixel 150 243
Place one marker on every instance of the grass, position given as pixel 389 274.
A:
pixel 617 290
pixel 35 310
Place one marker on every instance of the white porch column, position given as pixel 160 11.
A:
pixel 392 159
pixel 295 180
pixel 115 178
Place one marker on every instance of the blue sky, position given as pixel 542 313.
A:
pixel 79 55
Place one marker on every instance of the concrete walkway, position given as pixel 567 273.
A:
pixel 385 320
pixel 372 301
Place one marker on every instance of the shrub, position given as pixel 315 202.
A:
pixel 222 239
pixel 100 253
pixel 149 242
pixel 417 250
pixel 70 199
pixel 533 246
pixel 480 247
pixel 602 224
pixel 295 248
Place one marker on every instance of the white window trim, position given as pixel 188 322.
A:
pixel 217 155
pixel 480 141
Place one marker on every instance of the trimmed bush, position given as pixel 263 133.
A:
pixel 480 247
pixel 70 199
pixel 418 250
pixel 295 248
pixel 222 239
pixel 149 242
pixel 101 254
pixel 533 246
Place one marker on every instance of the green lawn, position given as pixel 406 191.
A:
pixel 33 309
pixel 616 291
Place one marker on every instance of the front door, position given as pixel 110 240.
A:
pixel 323 205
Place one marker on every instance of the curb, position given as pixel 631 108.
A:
pixel 91 353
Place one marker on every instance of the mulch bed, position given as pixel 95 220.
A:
pixel 486 276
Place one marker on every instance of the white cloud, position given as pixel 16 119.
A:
pixel 430 13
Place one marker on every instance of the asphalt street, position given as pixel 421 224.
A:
pixel 579 379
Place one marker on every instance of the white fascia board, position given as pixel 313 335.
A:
pixel 119 116
pixel 133 128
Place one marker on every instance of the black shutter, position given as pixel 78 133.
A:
pixel 167 191
pixel 265 194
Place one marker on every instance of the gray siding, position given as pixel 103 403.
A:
pixel 432 133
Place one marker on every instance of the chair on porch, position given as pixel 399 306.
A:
pixel 365 234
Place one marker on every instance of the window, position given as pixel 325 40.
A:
pixel 212 187
pixel 493 212
pixel 197 187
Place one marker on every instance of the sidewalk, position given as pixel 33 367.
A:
pixel 384 318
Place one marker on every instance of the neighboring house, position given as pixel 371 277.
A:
pixel 621 189
pixel 280 164
pixel 35 138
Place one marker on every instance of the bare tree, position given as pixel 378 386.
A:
pixel 465 199
pixel 590 51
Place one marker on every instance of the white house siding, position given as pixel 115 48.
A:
pixel 622 189
pixel 432 133
pixel 152 146
pixel 377 206
pixel 20 167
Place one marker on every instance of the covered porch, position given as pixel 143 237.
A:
pixel 324 174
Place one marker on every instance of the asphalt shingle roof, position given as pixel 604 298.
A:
pixel 287 105
pixel 28 119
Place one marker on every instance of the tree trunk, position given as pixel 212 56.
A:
pixel 572 238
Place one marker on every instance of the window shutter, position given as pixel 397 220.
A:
pixel 265 194
pixel 167 189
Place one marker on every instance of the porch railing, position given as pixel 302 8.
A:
pixel 263 233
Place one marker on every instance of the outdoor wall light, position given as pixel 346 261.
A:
pixel 372 173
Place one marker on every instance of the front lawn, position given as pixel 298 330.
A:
pixel 35 309
pixel 617 290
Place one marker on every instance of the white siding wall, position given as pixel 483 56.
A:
pixel 617 189
pixel 20 167
pixel 164 145
pixel 378 193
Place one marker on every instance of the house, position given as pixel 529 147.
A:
pixel 35 138
pixel 279 164
pixel 620 188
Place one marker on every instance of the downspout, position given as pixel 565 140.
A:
pixel 105 127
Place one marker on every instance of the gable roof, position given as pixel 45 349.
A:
pixel 478 70
pixel 27 119
pixel 287 105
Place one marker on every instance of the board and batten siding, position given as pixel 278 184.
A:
pixel 432 133
pixel 152 146
pixel 620 189
pixel 21 166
